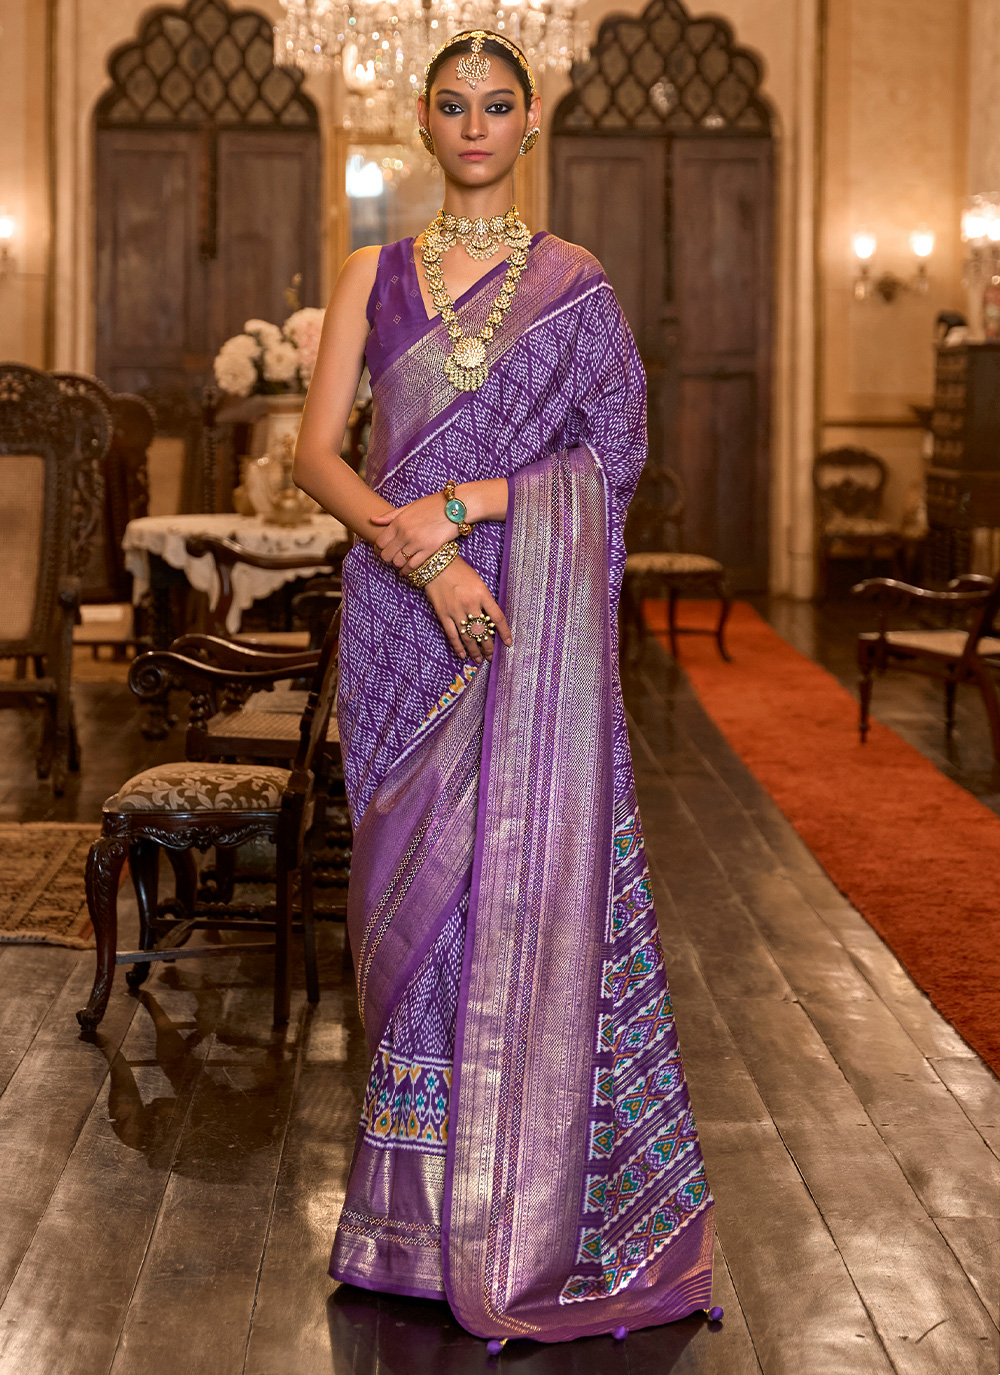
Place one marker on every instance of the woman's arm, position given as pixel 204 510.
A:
pixel 319 469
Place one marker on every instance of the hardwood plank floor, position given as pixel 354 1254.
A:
pixel 169 1191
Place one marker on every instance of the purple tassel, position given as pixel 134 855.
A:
pixel 716 1314
pixel 494 1347
pixel 619 1333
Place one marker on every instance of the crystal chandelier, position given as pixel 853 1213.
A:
pixel 383 47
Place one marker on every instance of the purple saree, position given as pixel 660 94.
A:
pixel 526 1147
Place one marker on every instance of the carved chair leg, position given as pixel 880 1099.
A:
pixel 865 693
pixel 949 705
pixel 185 878
pixel 104 866
pixel 46 749
pixel 219 881
pixel 991 702
pixel 722 591
pixel 672 596
pixel 309 926
pixel 282 942
pixel 144 865
pixel 631 620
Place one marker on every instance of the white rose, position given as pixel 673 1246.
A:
pixel 303 323
pixel 241 346
pixel 281 362
pixel 235 373
pixel 267 333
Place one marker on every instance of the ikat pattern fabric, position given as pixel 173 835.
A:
pixel 646 1179
pixel 409 1087
pixel 573 378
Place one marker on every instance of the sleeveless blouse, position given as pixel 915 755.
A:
pixel 396 308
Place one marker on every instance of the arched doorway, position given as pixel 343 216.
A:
pixel 207 196
pixel 662 165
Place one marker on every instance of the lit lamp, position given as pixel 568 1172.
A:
pixel 7 227
pixel 865 245
pixel 922 242
pixel 888 285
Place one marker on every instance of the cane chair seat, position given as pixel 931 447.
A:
pixel 677 565
pixel 950 644
pixel 671 572
pixel 194 786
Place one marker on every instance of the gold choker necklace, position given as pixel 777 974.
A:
pixel 466 367
pixel 481 238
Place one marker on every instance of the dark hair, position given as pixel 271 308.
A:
pixel 492 49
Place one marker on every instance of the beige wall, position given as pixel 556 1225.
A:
pixel 896 134
pixel 24 178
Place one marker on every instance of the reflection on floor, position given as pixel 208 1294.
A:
pixel 168 1193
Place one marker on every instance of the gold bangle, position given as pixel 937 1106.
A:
pixel 436 564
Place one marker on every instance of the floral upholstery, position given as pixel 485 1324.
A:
pixel 196 787
pixel 684 565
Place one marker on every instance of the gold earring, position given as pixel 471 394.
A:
pixel 425 138
pixel 529 141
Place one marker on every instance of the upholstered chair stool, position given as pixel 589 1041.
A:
pixel 675 575
pixel 197 804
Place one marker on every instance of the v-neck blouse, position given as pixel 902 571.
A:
pixel 396 311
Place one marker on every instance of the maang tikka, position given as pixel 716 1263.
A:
pixel 474 66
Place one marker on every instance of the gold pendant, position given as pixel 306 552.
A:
pixel 465 367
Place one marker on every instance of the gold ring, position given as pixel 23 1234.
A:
pixel 484 627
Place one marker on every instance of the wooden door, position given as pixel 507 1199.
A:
pixel 268 225
pixel 609 195
pixel 197 232
pixel 153 287
pixel 723 253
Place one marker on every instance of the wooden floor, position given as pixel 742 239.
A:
pixel 168 1192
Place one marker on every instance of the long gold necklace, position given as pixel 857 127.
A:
pixel 466 367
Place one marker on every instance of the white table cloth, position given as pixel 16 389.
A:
pixel 166 535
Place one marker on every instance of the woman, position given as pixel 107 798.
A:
pixel 526 1147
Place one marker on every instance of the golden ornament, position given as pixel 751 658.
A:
pixel 466 367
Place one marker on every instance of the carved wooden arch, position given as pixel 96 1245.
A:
pixel 203 64
pixel 665 72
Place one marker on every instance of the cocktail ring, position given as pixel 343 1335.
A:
pixel 478 627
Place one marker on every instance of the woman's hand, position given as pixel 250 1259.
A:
pixel 457 593
pixel 412 534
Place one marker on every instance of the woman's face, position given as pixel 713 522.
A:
pixel 477 133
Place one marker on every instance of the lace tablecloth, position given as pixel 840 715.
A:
pixel 165 536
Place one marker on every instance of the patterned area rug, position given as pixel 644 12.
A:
pixel 914 852
pixel 42 897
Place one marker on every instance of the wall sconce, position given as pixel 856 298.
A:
pixel 7 227
pixel 888 285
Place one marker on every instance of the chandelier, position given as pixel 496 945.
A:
pixel 382 47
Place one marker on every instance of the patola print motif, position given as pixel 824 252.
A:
pixel 509 967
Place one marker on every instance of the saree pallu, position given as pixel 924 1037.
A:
pixel 527 1149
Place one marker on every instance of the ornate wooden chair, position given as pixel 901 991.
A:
pixel 52 450
pixel 227 553
pixel 672 573
pixel 198 805
pixel 953 656
pixel 106 612
pixel 849 485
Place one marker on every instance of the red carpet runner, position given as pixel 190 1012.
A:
pixel 914 852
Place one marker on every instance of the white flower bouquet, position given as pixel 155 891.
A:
pixel 269 358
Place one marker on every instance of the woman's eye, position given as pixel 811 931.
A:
pixel 500 107
pixel 450 108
